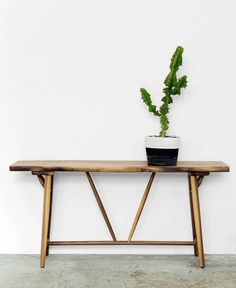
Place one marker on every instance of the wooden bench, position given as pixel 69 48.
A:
pixel 196 170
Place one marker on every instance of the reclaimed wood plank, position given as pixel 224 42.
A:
pixel 116 166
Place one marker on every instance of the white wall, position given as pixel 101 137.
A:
pixel 70 78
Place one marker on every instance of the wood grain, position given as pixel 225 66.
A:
pixel 116 166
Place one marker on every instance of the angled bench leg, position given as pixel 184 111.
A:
pixel 46 217
pixel 101 207
pixel 194 183
pixel 141 206
pixel 50 216
pixel 192 217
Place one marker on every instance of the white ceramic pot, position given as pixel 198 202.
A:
pixel 162 150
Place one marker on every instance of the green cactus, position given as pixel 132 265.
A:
pixel 173 86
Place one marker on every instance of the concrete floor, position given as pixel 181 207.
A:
pixel 123 271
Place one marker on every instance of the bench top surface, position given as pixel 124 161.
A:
pixel 116 166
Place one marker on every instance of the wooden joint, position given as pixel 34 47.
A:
pixel 198 173
pixel 41 176
pixel 199 176
pixel 41 179
pixel 199 180
pixel 44 173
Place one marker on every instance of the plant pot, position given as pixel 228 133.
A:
pixel 162 151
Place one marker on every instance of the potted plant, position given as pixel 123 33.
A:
pixel 163 149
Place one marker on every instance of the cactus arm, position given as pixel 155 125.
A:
pixel 148 101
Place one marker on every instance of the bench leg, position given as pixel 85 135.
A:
pixel 46 216
pixel 50 216
pixel 197 219
pixel 192 217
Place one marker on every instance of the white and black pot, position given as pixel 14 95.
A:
pixel 162 151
